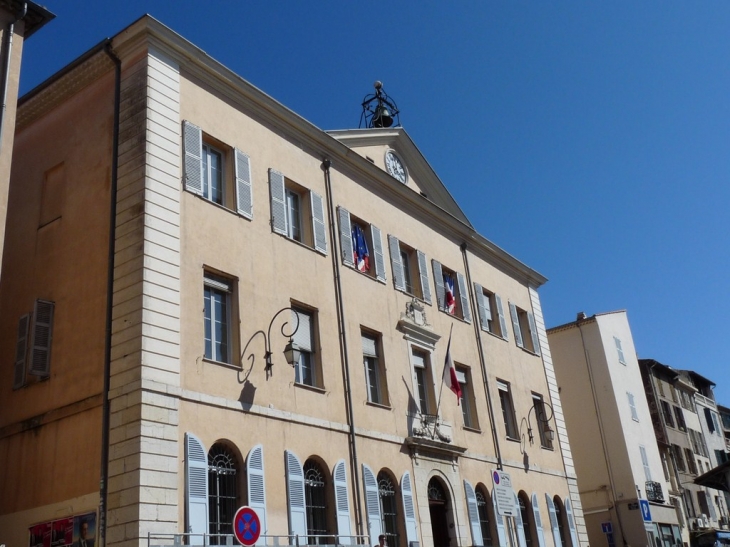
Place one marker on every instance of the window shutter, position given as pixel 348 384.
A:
pixel 244 195
pixel 257 487
pixel 520 524
pixel 278 202
pixel 399 280
pixel 345 236
pixel 423 273
pixel 320 236
pixel 516 325
pixel 303 336
pixel 40 356
pixel 377 238
pixel 708 419
pixel 193 144
pixel 481 306
pixel 409 510
pixel 295 496
pixel 533 333
pixel 438 280
pixel 464 296
pixel 343 504
pixel 499 521
pixel 473 511
pixel 21 351
pixel 372 504
pixel 553 520
pixel 645 462
pixel 369 346
pixel 502 321
pixel 196 486
pixel 571 522
pixel 538 521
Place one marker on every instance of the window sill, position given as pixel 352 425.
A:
pixel 497 336
pixel 218 205
pixel 529 351
pixel 550 448
pixel 372 276
pixel 513 439
pixel 378 405
pixel 472 429
pixel 419 298
pixel 454 316
pixel 221 363
pixel 316 389
pixel 300 243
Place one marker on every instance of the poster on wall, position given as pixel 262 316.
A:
pixel 40 535
pixel 76 531
pixel 63 532
pixel 84 530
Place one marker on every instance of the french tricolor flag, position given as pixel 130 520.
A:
pixel 450 295
pixel 450 374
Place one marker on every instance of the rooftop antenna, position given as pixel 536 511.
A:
pixel 379 110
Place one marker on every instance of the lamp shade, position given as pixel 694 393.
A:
pixel 292 353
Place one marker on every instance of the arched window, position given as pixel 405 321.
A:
pixel 316 501
pixel 560 517
pixel 525 512
pixel 222 491
pixel 388 508
pixel 483 505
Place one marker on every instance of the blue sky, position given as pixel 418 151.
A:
pixel 588 139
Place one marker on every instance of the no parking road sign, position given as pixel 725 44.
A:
pixel 246 526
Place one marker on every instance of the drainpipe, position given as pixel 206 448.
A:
pixel 7 50
pixel 326 164
pixel 104 481
pixel 482 362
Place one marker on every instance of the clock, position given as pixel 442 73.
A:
pixel 395 167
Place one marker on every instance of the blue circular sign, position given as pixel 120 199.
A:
pixel 246 526
pixel 496 477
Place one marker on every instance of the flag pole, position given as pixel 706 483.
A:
pixel 438 405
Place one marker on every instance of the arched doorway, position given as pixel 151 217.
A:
pixel 439 506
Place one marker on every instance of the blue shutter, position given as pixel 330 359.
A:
pixel 318 229
pixel 295 495
pixel 473 511
pixel 378 252
pixel 372 504
pixel 502 321
pixel 409 510
pixel 193 145
pixel 571 521
pixel 196 486
pixel 21 351
pixel 342 503
pixel 42 335
pixel 244 195
pixel 520 523
pixel 516 325
pixel 553 521
pixel 438 280
pixel 538 521
pixel 399 280
pixel 464 296
pixel 345 236
pixel 499 521
pixel 257 487
pixel 278 202
pixel 533 333
pixel 423 272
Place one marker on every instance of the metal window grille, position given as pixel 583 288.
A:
pixel 315 499
pixel 222 491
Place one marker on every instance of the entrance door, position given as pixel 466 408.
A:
pixel 438 505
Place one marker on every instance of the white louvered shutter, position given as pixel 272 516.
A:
pixel 482 303
pixel 318 229
pixel 399 280
pixel 538 521
pixel 21 351
pixel 533 332
pixel 571 521
pixel 499 521
pixel 372 504
pixel 257 487
pixel 193 144
pixel 464 296
pixel 303 337
pixel 516 325
pixel 196 486
pixel 423 273
pixel 377 238
pixel 438 281
pixel 42 336
pixel 342 502
pixel 244 194
pixel 295 495
pixel 553 521
pixel 502 321
pixel 345 236
pixel 278 202
pixel 521 539
pixel 409 510
pixel 473 511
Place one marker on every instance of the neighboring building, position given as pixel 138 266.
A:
pixel 617 459
pixel 156 246
pixel 18 21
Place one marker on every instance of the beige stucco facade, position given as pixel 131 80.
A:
pixel 175 250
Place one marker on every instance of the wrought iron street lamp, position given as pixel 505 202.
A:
pixel 291 351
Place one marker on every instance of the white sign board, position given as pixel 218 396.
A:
pixel 503 493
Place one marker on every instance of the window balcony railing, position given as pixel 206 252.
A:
pixel 227 540
pixel 654 492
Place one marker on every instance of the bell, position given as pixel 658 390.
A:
pixel 382 117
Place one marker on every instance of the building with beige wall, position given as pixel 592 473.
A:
pixel 169 224
pixel 617 459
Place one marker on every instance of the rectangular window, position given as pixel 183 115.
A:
pixel 523 325
pixel 217 292
pixel 620 351
pixel 374 369
pixel 667 413
pixel 423 381
pixel 632 406
pixel 645 463
pixel 542 423
pixel 362 245
pixel 508 410
pixel 491 314
pixel 716 421
pixel 720 456
pixel 686 400
pixel 680 419
pixel 691 467
pixel 410 273
pixel 213 189
pixel 678 458
pixel 293 215
pixel 467 401
pixel 451 291
pixel 306 370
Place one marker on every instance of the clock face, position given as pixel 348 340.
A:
pixel 395 167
